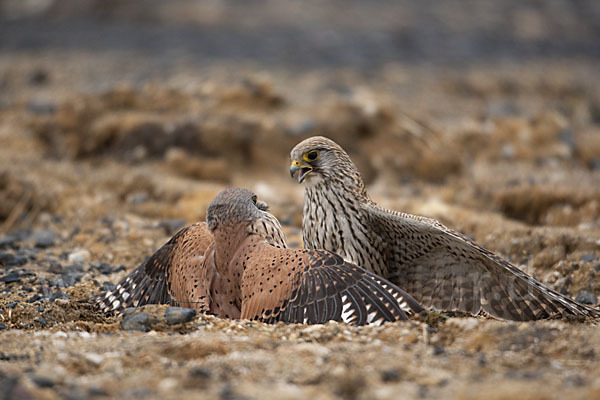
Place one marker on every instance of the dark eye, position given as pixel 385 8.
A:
pixel 254 198
pixel 312 155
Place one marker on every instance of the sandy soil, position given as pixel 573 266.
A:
pixel 107 150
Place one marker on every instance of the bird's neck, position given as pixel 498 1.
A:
pixel 227 240
pixel 350 188
pixel 331 209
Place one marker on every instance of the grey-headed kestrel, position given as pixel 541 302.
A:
pixel 441 268
pixel 237 265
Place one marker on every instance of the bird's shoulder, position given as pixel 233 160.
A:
pixel 189 242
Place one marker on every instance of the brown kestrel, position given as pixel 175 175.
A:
pixel 237 266
pixel 439 267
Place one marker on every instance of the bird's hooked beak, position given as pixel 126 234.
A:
pixel 304 169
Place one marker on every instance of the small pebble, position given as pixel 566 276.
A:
pixel 167 384
pixel 585 297
pixel 43 239
pixel 390 375
pixel 95 391
pixel 12 304
pixel 41 321
pixel 108 220
pixel 42 381
pixel 59 295
pixel 79 256
pixel 11 260
pixel 179 315
pixel 567 137
pixel 137 322
pixel 107 286
pixel 39 76
pixel 34 298
pixel 137 198
pixel 102 267
pixel 482 361
pixel 94 358
pixel 588 258
pixel 76 268
pixel 200 372
pixel 3 327
pixel 67 280
pixel 41 107
pixel 12 277
pixel 55 268
pixel 9 241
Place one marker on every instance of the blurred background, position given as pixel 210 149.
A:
pixel 153 104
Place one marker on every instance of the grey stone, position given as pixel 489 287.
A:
pixel 41 107
pixel 11 260
pixel 200 372
pixel 79 256
pixel 95 391
pixel 391 375
pixel 39 76
pixel 137 322
pixel 438 350
pixel 12 277
pixel 585 297
pixel 41 321
pixel 55 268
pixel 42 381
pixel 179 315
pixel 568 138
pixel 34 298
pixel 106 286
pixel 103 268
pixel 9 241
pixel 59 295
pixel 45 238
pixel 588 257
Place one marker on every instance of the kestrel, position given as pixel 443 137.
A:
pixel 237 265
pixel 441 268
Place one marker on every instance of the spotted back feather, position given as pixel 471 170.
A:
pixel 316 286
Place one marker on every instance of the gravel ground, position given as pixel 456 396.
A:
pixel 115 131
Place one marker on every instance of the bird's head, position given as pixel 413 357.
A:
pixel 319 158
pixel 232 206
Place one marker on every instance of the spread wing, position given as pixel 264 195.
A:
pixel 160 279
pixel 316 286
pixel 445 270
